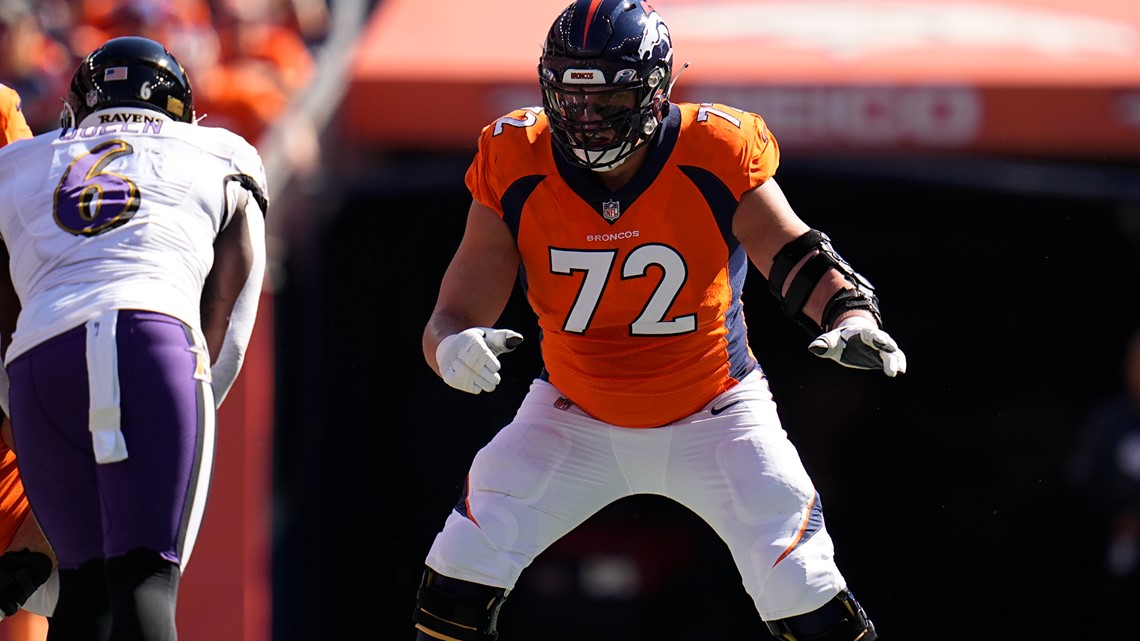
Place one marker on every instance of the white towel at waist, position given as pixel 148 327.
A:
pixel 103 384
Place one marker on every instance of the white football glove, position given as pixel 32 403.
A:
pixel 858 342
pixel 467 360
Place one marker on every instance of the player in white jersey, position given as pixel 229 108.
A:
pixel 134 245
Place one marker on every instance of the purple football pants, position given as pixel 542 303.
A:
pixel 155 497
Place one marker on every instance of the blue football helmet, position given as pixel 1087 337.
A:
pixel 605 74
pixel 129 71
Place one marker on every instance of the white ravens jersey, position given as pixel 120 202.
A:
pixel 118 213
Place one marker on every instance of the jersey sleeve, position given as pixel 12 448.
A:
pixel 252 166
pixel 732 143
pixel 516 145
pixel 763 153
pixel 249 166
pixel 757 155
pixel 479 177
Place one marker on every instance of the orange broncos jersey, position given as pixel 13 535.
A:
pixel 13 502
pixel 13 126
pixel 637 291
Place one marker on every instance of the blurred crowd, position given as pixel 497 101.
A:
pixel 246 58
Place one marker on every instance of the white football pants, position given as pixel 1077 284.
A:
pixel 553 467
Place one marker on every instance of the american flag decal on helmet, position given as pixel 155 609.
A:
pixel 611 210
pixel 115 73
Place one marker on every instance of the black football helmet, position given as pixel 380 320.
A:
pixel 605 74
pixel 129 71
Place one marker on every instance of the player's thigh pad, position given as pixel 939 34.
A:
pixel 742 475
pixel 540 476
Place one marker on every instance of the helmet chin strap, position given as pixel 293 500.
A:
pixel 609 167
pixel 585 157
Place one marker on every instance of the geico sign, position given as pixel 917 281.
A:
pixel 861 116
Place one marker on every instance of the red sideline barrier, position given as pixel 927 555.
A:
pixel 226 592
pixel 1046 77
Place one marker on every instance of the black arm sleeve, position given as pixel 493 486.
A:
pixel 823 257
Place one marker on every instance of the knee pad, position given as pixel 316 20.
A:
pixel 454 610
pixel 840 619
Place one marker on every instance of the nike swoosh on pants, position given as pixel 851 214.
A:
pixel 718 410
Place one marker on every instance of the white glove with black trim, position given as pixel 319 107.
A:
pixel 859 343
pixel 467 360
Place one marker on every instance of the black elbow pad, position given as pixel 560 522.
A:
pixel 823 257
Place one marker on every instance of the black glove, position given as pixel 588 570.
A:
pixel 21 573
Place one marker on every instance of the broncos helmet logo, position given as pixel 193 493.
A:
pixel 656 35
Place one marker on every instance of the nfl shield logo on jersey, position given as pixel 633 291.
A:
pixel 611 210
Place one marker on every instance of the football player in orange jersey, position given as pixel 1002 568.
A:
pixel 28 561
pixel 630 222
pixel 13 125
